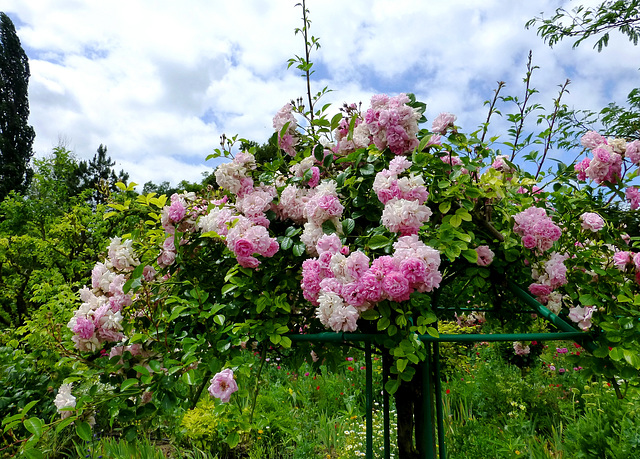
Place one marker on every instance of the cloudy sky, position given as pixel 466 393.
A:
pixel 158 81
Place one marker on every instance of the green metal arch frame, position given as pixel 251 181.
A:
pixel 431 376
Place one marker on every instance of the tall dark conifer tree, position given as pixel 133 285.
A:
pixel 16 136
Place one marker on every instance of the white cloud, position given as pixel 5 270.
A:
pixel 159 81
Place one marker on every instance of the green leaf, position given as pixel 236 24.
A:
pixel 632 358
pixel 228 288
pixel 327 161
pixel 28 406
pixel 233 439
pixel 392 386
pixel 140 369
pixel 83 429
pixel 378 241
pixel 433 332
pixel 34 425
pixel 127 383
pixel 616 353
pixel 318 152
pixel 65 422
pixel 471 255
pixel 370 314
pixel 601 352
pixel 286 243
pixel 444 207
pixel 401 364
pixel 155 365
pixel 137 337
pixel 33 453
pixel 168 401
pixel 130 433
pixel 383 323
pixel 588 300
pixel 423 143
pixel 348 224
pixel 299 248
pixel 335 121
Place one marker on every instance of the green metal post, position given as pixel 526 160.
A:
pixel 427 439
pixel 369 400
pixel 442 452
pixel 385 406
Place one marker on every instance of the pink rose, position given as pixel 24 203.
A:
pixel 540 290
pixel 592 221
pixel 442 122
pixel 177 211
pixel 621 260
pixel 396 286
pixel 248 262
pixel 243 248
pixel 223 385
pixel 485 255
pixel 84 328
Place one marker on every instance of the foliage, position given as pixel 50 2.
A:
pixel 16 136
pixel 50 237
pixel 362 220
pixel 540 413
pixel 584 22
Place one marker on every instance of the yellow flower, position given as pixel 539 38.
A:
pixel 260 431
pixel 517 452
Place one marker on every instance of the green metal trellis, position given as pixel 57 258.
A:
pixel 431 371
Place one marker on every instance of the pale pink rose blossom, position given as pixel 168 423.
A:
pixel 582 316
pixel 442 122
pixel 592 140
pixel 223 385
pixel 519 349
pixel 622 259
pixel 592 221
pixel 485 255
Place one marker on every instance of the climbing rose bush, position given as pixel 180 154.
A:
pixel 366 223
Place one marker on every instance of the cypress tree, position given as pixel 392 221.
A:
pixel 16 136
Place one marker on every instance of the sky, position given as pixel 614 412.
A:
pixel 159 81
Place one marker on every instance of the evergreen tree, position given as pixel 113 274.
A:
pixel 16 136
pixel 99 175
